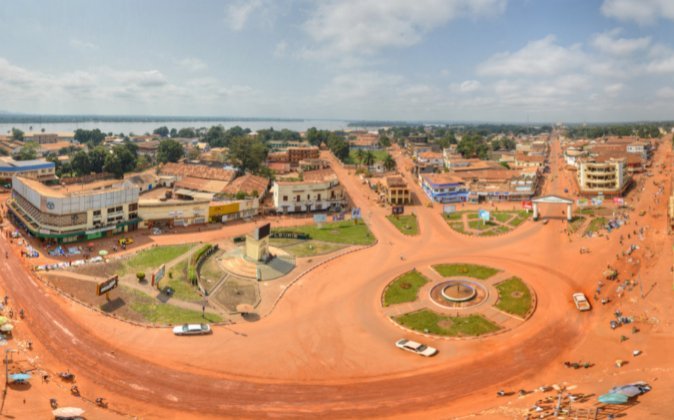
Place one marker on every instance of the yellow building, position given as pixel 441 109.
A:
pixel 396 191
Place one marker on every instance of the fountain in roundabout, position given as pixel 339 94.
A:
pixel 459 293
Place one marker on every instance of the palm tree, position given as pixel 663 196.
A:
pixel 389 163
pixel 368 159
pixel 359 156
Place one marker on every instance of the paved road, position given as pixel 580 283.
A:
pixel 328 348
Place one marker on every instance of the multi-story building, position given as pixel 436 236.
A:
pixel 444 187
pixel 74 212
pixel 395 190
pixel 39 169
pixel 607 177
pixel 500 184
pixel 296 154
pixel 317 191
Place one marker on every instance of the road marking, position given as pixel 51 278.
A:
pixel 67 332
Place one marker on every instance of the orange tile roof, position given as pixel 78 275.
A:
pixel 247 184
pixel 197 171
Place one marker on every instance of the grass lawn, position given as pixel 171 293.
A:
pixel 576 223
pixel 520 217
pixel 154 311
pixel 176 278
pixel 152 258
pixel 425 320
pixel 501 216
pixel 469 270
pixel 405 288
pixel 379 156
pixel 495 231
pixel 481 225
pixel 514 297
pixel 596 225
pixel 311 248
pixel 458 227
pixel 457 215
pixel 407 223
pixel 345 232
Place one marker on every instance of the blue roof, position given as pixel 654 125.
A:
pixel 25 165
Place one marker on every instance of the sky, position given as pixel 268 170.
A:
pixel 421 60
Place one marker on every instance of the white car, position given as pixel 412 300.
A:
pixel 192 329
pixel 581 302
pixel 414 347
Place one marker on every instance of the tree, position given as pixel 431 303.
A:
pixel 369 159
pixel 384 141
pixel 360 155
pixel 142 163
pixel 162 131
pixel 17 134
pixel 28 151
pixel 113 165
pixel 193 153
pixel 126 157
pixel 389 163
pixel 186 132
pixel 338 146
pixel 169 151
pixel 173 133
pixel 97 159
pixel 80 163
pixel 215 136
pixel 92 138
pixel 248 153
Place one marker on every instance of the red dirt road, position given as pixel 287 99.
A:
pixel 328 350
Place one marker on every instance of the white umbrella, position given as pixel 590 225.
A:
pixel 6 327
pixel 67 412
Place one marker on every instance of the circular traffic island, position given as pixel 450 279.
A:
pixel 461 293
pixel 458 301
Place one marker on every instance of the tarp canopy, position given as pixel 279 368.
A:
pixel 613 398
pixel 19 377
pixel 66 412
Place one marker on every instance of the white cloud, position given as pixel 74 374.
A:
pixel 666 93
pixel 280 49
pixel 82 45
pixel 609 43
pixel 142 78
pixel 366 26
pixel 614 89
pixel 192 64
pixel 360 85
pixel 542 57
pixel 661 65
pixel 640 11
pixel 466 86
pixel 238 12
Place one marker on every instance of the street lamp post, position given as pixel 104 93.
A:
pixel 7 351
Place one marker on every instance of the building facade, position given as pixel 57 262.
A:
pixel 609 177
pixel 74 213
pixel 444 188
pixel 395 191
pixel 314 195
pixel 39 169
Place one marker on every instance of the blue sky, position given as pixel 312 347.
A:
pixel 452 60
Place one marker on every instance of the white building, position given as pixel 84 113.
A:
pixel 317 191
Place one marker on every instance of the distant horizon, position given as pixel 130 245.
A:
pixel 7 117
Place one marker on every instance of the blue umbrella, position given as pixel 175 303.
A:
pixel 613 398
pixel 19 377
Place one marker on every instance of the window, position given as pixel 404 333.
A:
pixel 285 198
pixel 308 196
pixel 318 197
pixel 133 207
pixel 298 198
pixel 97 212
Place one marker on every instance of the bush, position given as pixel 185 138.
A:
pixel 140 275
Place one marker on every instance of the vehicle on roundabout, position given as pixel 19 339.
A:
pixel 192 329
pixel 414 347
pixel 581 302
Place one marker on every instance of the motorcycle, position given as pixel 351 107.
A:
pixel 75 390
pixel 54 404
pixel 66 376
pixel 100 401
